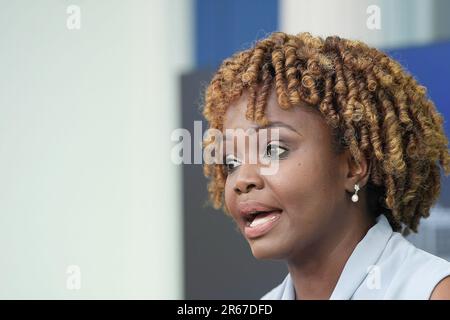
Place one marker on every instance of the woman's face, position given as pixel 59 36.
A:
pixel 307 187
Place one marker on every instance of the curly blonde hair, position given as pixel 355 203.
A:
pixel 375 108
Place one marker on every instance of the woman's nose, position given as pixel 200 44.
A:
pixel 248 178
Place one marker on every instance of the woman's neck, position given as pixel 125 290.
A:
pixel 316 273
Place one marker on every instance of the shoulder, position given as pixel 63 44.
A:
pixel 442 290
pixel 418 274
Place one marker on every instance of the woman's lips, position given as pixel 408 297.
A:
pixel 261 224
pixel 257 217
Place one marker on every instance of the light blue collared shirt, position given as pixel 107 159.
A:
pixel 384 265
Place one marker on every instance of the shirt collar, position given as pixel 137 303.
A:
pixel 366 254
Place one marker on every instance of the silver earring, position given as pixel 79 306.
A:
pixel 355 196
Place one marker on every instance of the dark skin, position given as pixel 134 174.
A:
pixel 319 226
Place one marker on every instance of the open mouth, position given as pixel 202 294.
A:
pixel 259 218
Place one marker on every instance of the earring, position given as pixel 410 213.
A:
pixel 355 196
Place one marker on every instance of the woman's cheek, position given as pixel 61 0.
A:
pixel 229 201
pixel 295 182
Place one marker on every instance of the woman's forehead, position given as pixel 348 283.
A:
pixel 299 117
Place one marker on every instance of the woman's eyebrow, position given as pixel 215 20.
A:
pixel 271 125
pixel 277 124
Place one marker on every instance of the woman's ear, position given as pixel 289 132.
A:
pixel 357 172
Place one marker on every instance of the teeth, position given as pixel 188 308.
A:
pixel 258 220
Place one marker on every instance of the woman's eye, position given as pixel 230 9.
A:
pixel 230 163
pixel 275 151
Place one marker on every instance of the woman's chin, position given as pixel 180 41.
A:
pixel 263 251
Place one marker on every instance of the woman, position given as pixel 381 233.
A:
pixel 358 151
